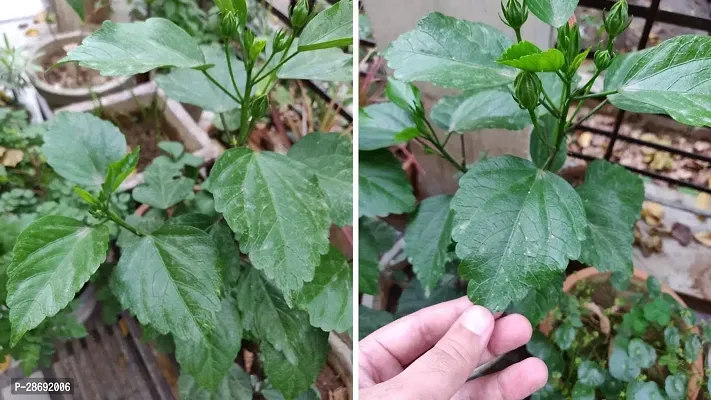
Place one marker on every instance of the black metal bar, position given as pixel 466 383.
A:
pixel 615 133
pixel 651 18
pixel 652 175
pixel 689 21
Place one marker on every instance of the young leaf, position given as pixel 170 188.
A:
pixel 658 311
pixel 164 186
pixel 329 297
pixel 539 301
pixel 279 213
pixel 640 390
pixel 209 356
pixel 133 48
pixel 375 237
pixel 564 336
pixel 80 147
pixel 622 366
pixel 480 109
pixel 583 392
pixel 266 315
pixel 672 337
pixel 330 157
pixel 332 27
pixel 120 170
pixel 236 385
pixel 643 354
pixel 292 378
pixel 670 77
pixel 692 347
pixel 528 57
pixel 612 197
pixel 654 287
pixel 552 12
pixel 190 86
pixel 370 320
pixel 170 280
pixel 384 187
pixel 591 373
pixel 320 65
pixel 52 259
pixel 427 237
pixel 515 226
pixel 451 53
pixel 404 95
pixel 383 125
pixel 675 386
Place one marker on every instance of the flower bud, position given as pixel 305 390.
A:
pixel 527 89
pixel 280 41
pixel 257 48
pixel 569 41
pixel 603 59
pixel 247 39
pixel 229 25
pixel 299 15
pixel 259 107
pixel 515 13
pixel 618 19
pixel 238 7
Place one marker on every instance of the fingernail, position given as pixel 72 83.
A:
pixel 478 320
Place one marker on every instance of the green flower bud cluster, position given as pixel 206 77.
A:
pixel 515 13
pixel 618 19
pixel 299 15
pixel 233 15
pixel 280 42
pixel 569 41
pixel 527 90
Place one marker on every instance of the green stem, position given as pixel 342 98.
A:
pixel 216 83
pixel 229 67
pixel 120 222
pixel 271 71
pixel 233 139
pixel 538 132
pixel 601 94
pixel 244 125
pixel 590 114
pixel 550 109
pixel 560 128
pixel 518 35
pixel 446 139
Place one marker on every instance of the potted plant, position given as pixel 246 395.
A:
pixel 612 336
pixel 291 290
pixel 513 225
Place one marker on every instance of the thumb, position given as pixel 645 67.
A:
pixel 441 372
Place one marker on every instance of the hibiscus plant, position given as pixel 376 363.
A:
pixel 179 270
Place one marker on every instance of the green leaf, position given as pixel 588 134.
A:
pixel 613 198
pixel 320 65
pixel 672 337
pixel 548 392
pixel 227 251
pixel 612 388
pixel 675 386
pixel 80 147
pixel 209 357
pixel 654 287
pixel 540 301
pixel 193 87
pixel 553 12
pixel 329 297
pixel 451 53
pixel 330 157
pixel 692 348
pixel 293 378
pixel 538 146
pixel 120 170
pixel 383 125
pixel 516 227
pixel 591 373
pixel 480 109
pixel 528 57
pixel 125 49
pixel 564 336
pixel 638 390
pixel 78 7
pixel 644 355
pixel 427 238
pixel 370 320
pixel 177 265
pixel 332 27
pixel 614 77
pixel 52 259
pixel 278 212
pixel 383 185
pixel 404 95
pixel 164 186
pixel 413 298
pixel 375 237
pixel 671 76
pixel 541 347
pixel 622 366
pixel 173 149
pixel 583 392
pixel 237 385
pixel 266 315
pixel 657 311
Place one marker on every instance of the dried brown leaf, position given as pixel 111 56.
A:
pixel 703 238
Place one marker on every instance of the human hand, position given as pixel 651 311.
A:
pixel 430 355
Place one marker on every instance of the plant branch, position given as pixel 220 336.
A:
pixel 550 109
pixel 227 129
pixel 229 67
pixel 244 111
pixel 601 94
pixel 537 130
pixel 271 71
pixel 120 222
pixel 590 114
pixel 216 83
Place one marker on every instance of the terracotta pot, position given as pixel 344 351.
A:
pixel 639 279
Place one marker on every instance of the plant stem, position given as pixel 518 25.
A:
pixel 120 222
pixel 518 35
pixel 233 139
pixel 271 71
pixel 560 128
pixel 538 132
pixel 229 67
pixel 244 111
pixel 590 114
pixel 601 94
pixel 550 109
pixel 216 83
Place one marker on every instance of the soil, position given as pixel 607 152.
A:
pixel 70 76
pixel 145 128
pixel 330 385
